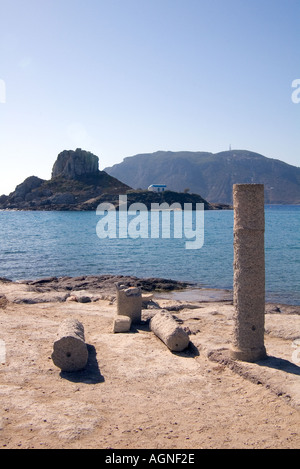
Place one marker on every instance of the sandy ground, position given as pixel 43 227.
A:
pixel 134 392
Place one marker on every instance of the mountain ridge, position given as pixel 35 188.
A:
pixel 211 174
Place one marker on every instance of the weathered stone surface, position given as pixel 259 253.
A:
pixel 23 189
pixel 69 349
pixel 165 327
pixel 100 285
pixel 249 272
pixel 73 164
pixel 62 199
pixel 129 302
pixel 121 324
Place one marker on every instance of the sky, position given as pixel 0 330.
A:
pixel 122 77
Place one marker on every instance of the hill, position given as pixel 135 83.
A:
pixel 78 184
pixel 211 175
pixel 75 179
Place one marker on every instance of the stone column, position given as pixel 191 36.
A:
pixel 70 351
pixel 249 272
pixel 169 331
pixel 129 302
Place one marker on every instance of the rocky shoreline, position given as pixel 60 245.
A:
pixel 107 283
pixel 92 288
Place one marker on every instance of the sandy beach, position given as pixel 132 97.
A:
pixel 134 392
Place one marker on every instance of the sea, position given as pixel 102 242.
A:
pixel 38 244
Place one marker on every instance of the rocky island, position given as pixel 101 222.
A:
pixel 77 184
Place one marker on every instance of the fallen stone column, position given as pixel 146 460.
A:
pixel 70 351
pixel 249 272
pixel 169 331
pixel 129 302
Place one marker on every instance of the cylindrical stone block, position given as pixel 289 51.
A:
pixel 249 272
pixel 169 331
pixel 70 351
pixel 129 302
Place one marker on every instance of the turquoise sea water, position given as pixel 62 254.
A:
pixel 43 244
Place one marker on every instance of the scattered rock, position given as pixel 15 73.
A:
pixel 104 284
pixel 3 301
pixel 72 298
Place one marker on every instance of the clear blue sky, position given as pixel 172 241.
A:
pixel 121 77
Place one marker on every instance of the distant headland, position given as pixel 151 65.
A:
pixel 77 184
pixel 212 174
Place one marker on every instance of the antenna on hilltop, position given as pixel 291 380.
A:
pixel 230 147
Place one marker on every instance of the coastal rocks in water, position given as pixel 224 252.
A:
pixel 83 289
pixel 102 284
pixel 73 164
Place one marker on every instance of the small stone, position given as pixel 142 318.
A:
pixel 121 324
pixel 72 298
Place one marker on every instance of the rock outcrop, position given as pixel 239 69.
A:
pixel 75 180
pixel 74 164
pixel 23 189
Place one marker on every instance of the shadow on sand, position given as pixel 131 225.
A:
pixel 280 364
pixel 90 374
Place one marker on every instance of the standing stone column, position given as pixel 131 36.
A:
pixel 129 302
pixel 249 272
